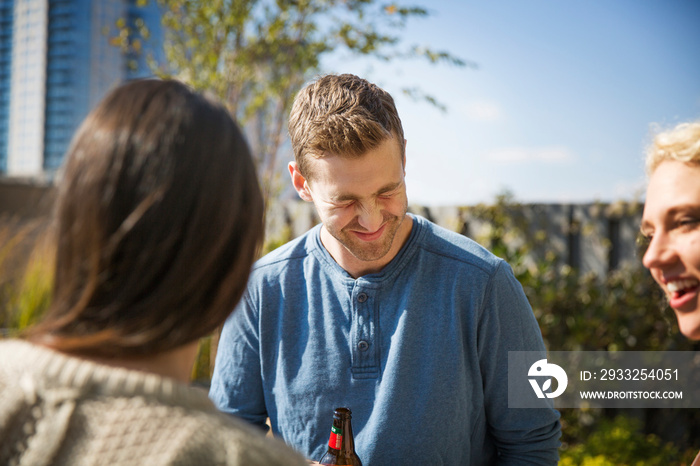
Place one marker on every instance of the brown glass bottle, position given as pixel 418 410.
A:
pixel 341 445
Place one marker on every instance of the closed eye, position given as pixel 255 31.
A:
pixel 387 194
pixel 688 221
pixel 342 205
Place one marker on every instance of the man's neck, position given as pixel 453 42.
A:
pixel 358 268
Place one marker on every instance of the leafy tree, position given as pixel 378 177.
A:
pixel 255 54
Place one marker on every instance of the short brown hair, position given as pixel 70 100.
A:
pixel 344 115
pixel 681 144
pixel 158 220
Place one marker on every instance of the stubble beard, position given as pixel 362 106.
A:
pixel 369 251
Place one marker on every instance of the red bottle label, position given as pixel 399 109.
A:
pixel 336 438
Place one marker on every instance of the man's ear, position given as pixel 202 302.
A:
pixel 299 182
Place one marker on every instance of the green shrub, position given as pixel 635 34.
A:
pixel 623 310
pixel 619 441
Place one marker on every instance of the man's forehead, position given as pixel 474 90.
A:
pixel 346 178
pixel 317 157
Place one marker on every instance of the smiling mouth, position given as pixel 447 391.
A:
pixel 680 287
pixel 364 236
pixel 682 293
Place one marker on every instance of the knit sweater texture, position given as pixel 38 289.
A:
pixel 61 410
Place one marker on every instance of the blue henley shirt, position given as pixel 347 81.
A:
pixel 418 352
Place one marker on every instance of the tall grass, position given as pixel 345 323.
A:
pixel 203 365
pixel 33 293
pixel 26 275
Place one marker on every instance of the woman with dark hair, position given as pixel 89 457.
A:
pixel 158 219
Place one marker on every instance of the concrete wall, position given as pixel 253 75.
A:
pixel 25 199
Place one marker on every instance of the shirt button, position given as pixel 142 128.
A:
pixel 362 297
pixel 363 345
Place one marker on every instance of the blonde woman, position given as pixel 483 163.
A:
pixel 671 221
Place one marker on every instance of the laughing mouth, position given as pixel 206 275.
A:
pixel 680 287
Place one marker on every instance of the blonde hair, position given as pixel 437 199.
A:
pixel 344 115
pixel 681 144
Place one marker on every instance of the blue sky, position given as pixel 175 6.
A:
pixel 562 103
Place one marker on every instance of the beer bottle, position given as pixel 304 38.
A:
pixel 341 446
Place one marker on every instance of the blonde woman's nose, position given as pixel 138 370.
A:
pixel 660 252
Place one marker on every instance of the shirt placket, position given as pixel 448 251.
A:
pixel 365 350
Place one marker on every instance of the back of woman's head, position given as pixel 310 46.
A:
pixel 158 221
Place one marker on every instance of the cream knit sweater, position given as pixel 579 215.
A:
pixel 61 410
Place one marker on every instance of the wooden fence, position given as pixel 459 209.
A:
pixel 592 237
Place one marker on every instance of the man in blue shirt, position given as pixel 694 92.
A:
pixel 407 324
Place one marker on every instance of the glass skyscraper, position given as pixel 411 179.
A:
pixel 56 63
pixel 6 8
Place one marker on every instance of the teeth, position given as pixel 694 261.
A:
pixel 678 285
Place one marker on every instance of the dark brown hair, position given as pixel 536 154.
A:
pixel 158 220
pixel 344 115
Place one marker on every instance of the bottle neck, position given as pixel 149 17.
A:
pixel 341 438
pixel 348 444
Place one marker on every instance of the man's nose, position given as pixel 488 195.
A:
pixel 370 217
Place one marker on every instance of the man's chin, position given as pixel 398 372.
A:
pixel 365 253
pixel 368 258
